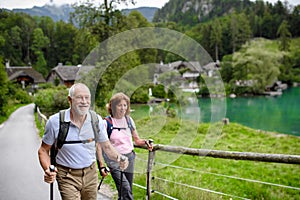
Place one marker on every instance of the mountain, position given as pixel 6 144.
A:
pixel 191 12
pixel 147 12
pixel 63 12
pixel 55 12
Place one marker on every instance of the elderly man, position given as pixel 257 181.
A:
pixel 76 171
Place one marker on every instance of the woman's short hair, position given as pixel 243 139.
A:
pixel 115 100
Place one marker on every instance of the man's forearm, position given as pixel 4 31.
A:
pixel 99 155
pixel 44 158
pixel 110 151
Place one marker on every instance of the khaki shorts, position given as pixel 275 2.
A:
pixel 77 184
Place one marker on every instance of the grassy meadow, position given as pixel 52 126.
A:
pixel 193 177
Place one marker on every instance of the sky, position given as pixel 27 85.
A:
pixel 10 4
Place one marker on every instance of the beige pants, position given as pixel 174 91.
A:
pixel 77 184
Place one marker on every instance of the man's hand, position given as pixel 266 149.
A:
pixel 50 175
pixel 104 171
pixel 123 162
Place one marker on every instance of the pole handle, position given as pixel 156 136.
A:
pixel 52 168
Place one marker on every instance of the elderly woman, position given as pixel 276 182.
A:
pixel 121 130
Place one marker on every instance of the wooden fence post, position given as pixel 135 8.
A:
pixel 151 156
pixel 42 118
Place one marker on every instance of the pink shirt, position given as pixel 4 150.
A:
pixel 121 139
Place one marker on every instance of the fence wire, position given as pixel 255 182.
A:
pixel 199 188
pixel 232 177
pixel 214 174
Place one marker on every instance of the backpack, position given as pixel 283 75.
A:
pixel 110 126
pixel 64 129
pixel 112 164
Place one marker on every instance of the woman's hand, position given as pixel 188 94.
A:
pixel 149 144
pixel 123 162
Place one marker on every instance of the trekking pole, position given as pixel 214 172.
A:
pixel 52 169
pixel 106 169
pixel 122 172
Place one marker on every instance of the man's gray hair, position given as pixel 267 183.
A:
pixel 72 88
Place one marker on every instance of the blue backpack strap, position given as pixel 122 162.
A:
pixel 109 125
pixel 129 123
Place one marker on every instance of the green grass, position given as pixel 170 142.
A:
pixel 217 174
pixel 9 110
pixel 40 127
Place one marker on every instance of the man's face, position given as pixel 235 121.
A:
pixel 81 100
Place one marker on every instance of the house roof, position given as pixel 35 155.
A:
pixel 83 70
pixel 70 73
pixel 17 71
pixel 193 66
pixel 210 66
pixel 66 73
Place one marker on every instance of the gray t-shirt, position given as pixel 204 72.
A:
pixel 78 155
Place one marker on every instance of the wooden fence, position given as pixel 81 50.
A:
pixel 262 157
pixel 41 117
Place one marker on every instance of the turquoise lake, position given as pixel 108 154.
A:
pixel 279 114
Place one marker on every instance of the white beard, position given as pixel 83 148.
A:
pixel 80 112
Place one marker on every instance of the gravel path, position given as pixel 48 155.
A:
pixel 106 193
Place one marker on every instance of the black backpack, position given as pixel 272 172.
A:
pixel 63 132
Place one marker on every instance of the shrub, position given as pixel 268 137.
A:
pixel 159 91
pixel 140 96
pixel 52 100
pixel 23 97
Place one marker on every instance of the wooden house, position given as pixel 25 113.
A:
pixel 24 75
pixel 66 74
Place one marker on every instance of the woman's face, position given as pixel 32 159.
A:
pixel 121 109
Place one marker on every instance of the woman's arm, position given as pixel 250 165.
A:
pixel 141 142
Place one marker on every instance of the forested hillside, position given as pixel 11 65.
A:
pixel 194 11
pixel 222 27
pixel 264 17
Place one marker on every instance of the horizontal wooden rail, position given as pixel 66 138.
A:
pixel 263 157
pixel 41 117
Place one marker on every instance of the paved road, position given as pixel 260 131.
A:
pixel 21 177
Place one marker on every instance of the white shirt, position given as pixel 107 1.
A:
pixel 79 155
